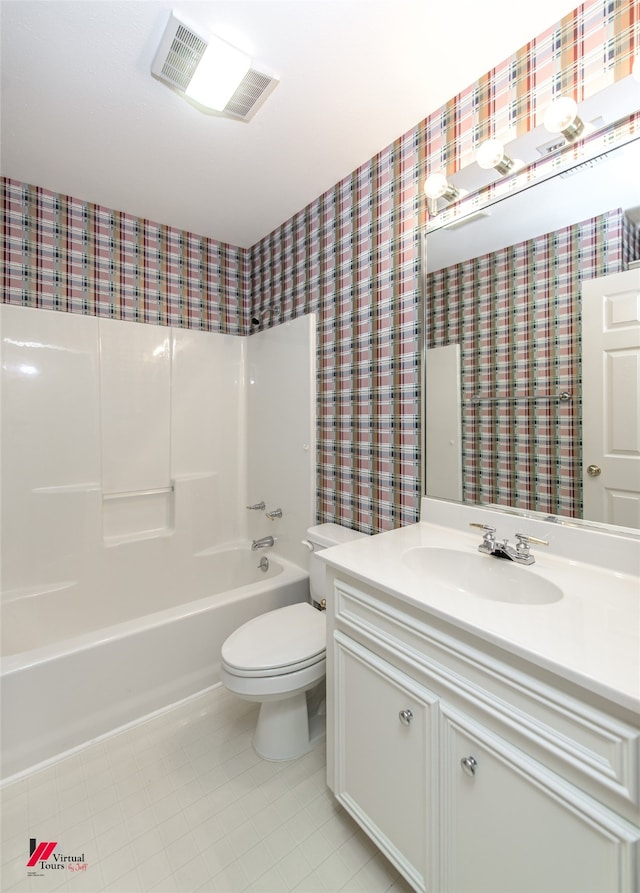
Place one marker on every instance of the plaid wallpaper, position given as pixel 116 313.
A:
pixel 516 316
pixel 60 253
pixel 351 255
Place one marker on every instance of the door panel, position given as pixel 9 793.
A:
pixel 611 398
pixel 383 775
pixel 513 825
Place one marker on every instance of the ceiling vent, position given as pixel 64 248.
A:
pixel 177 58
pixel 178 55
pixel 250 95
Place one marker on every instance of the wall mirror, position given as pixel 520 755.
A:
pixel 525 405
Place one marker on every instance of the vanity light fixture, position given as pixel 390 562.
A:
pixel 491 154
pixel 562 117
pixel 437 186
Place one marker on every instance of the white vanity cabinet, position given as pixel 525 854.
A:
pixel 510 825
pixel 386 734
pixel 471 770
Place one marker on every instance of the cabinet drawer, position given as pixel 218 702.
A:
pixel 593 748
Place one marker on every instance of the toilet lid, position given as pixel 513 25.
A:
pixel 278 639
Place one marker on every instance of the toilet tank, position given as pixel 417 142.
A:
pixel 323 536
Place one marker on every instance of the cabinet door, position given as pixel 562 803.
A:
pixel 385 749
pixel 512 826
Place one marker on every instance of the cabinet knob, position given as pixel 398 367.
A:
pixel 469 765
pixel 405 716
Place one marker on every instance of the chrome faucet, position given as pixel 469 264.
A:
pixel 520 553
pixel 263 543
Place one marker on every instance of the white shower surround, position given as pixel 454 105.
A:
pixel 129 453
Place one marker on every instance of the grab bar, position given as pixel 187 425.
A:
pixel 563 397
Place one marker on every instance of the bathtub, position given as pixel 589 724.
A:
pixel 75 668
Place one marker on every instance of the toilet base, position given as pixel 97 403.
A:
pixel 285 730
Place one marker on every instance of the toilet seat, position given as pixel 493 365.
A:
pixel 277 643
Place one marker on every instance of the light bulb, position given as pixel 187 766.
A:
pixel 491 155
pixel 437 186
pixel 562 117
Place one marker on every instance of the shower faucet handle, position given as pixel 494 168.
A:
pixel 258 507
pixel 276 513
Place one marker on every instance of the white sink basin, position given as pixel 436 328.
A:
pixel 482 576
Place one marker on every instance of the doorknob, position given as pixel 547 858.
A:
pixel 593 470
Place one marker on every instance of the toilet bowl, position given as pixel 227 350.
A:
pixel 279 658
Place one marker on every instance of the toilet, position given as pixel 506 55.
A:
pixel 279 658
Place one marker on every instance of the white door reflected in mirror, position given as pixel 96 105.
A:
pixel 611 398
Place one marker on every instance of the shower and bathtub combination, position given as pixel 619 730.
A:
pixel 70 674
pixel 129 457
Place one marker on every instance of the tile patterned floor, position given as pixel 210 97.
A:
pixel 182 803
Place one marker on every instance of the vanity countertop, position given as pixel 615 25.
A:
pixel 591 636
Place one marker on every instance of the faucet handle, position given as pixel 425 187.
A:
pixel 525 541
pixel 482 526
pixel 258 507
pixel 489 532
pixel 488 544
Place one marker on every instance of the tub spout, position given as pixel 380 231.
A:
pixel 263 543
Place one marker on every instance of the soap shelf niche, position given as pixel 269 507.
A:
pixel 137 514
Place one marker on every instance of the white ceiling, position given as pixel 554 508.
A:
pixel 81 114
